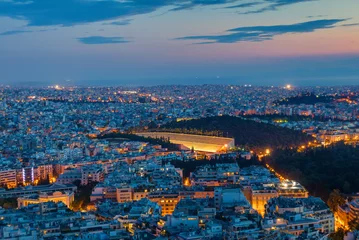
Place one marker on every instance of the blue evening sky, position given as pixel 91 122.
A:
pixel 150 42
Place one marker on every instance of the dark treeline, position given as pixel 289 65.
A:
pixel 248 133
pixel 295 117
pixel 8 203
pixel 306 98
pixel 165 143
pixel 320 170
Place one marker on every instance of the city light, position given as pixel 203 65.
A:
pixel 115 145
pixel 179 119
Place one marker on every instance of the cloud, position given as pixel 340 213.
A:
pixel 279 3
pixel 74 12
pixel 120 23
pixel 317 16
pixel 244 5
pixel 184 5
pixel 264 33
pixel 14 32
pixel 350 25
pixel 274 5
pixel 102 40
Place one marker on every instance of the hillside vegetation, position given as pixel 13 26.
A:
pixel 132 137
pixel 320 170
pixel 254 135
pixel 307 98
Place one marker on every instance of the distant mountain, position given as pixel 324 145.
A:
pixel 255 135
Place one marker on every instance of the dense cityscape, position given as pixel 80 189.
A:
pixel 179 120
pixel 130 163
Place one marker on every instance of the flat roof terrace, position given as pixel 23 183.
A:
pixel 198 142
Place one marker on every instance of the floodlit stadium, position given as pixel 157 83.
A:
pixel 198 142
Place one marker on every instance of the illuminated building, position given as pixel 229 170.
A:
pixel 333 137
pixel 291 189
pixel 217 175
pixel 343 215
pixel 197 192
pixel 204 194
pixel 124 194
pixel 354 210
pixel 183 119
pixel 44 172
pixel 197 142
pixel 33 175
pixel 8 178
pixel 166 200
pixel 260 195
pixel 66 197
pixel 28 176
pixel 127 194
pixel 30 190
pixel 138 195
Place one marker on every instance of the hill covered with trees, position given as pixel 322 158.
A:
pixel 320 170
pixel 132 137
pixel 306 98
pixel 248 133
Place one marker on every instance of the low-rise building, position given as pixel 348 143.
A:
pixel 66 197
pixel 167 200
pixel 216 175
pixel 8 178
pixel 70 175
pixel 92 173
pixel 29 190
pixel 299 214
pixel 260 195
pixel 229 197
pixel 291 189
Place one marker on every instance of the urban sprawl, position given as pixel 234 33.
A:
pixel 62 179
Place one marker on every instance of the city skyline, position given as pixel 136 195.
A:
pixel 131 43
pixel 179 162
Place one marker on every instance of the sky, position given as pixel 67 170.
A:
pixel 155 42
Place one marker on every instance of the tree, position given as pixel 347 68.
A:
pixel 335 199
pixel 338 235
pixel 77 183
pixel 76 205
pixel 8 203
pixel 354 225
pixel 82 196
